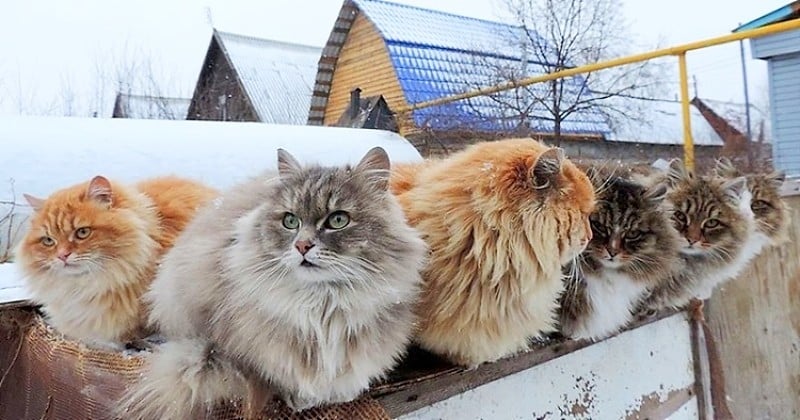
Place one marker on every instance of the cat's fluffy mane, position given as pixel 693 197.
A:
pixel 234 283
pixel 500 219
pixel 95 296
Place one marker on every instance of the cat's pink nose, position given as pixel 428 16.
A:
pixel 64 255
pixel 303 246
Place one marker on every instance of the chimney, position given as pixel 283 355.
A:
pixel 355 102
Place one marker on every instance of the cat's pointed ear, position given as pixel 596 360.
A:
pixel 677 172
pixel 547 168
pixel 724 167
pixel 777 178
pixel 656 193
pixel 735 188
pixel 376 165
pixel 100 190
pixel 35 203
pixel 287 164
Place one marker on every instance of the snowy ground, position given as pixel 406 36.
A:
pixel 41 154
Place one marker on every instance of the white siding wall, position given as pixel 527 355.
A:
pixel 777 44
pixel 784 92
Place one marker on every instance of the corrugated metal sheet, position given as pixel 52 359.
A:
pixel 153 107
pixel 437 54
pixel 784 92
pixel 277 76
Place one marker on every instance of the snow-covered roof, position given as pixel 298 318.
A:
pixel 661 122
pixel 278 77
pixel 437 54
pixel 150 107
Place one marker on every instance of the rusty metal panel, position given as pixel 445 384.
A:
pixel 646 373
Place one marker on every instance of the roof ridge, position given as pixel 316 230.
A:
pixel 266 41
pixel 439 12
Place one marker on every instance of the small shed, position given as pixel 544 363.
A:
pixel 411 55
pixel 150 107
pixel 244 78
pixel 782 53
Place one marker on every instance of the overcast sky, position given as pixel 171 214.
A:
pixel 50 44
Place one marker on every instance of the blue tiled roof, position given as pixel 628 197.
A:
pixel 437 54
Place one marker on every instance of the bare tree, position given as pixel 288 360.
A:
pixel 561 34
pixel 13 224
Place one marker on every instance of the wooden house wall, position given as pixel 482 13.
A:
pixel 363 62
pixel 216 79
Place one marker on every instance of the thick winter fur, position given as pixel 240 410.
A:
pixel 318 327
pixel 633 247
pixel 500 219
pixel 770 210
pixel 93 248
pixel 715 221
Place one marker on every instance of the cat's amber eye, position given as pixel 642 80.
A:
pixel 337 220
pixel 711 224
pixel 290 221
pixel 48 241
pixel 759 205
pixel 83 233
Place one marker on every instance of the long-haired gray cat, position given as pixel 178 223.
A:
pixel 303 281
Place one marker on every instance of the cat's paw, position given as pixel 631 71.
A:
pixel 298 403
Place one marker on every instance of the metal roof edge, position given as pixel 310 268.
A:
pixel 774 16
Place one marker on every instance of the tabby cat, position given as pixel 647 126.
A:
pixel 633 246
pixel 770 210
pixel 715 221
pixel 304 279
pixel 92 251
pixel 500 219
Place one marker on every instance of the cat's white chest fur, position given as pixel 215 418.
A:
pixel 611 296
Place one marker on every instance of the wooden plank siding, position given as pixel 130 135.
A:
pixel 777 44
pixel 784 93
pixel 756 321
pixel 363 62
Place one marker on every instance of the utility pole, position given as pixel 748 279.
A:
pixel 746 106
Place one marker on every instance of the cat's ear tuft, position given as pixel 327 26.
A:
pixel 724 167
pixel 677 172
pixel 287 164
pixel 100 190
pixel 735 188
pixel 547 168
pixel 35 203
pixel 656 193
pixel 777 177
pixel 376 165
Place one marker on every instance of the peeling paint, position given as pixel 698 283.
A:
pixel 608 380
pixel 652 406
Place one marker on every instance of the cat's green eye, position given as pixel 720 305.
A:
pixel 759 205
pixel 597 227
pixel 679 216
pixel 634 235
pixel 337 220
pixel 48 241
pixel 711 224
pixel 83 233
pixel 291 221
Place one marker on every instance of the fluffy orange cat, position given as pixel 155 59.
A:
pixel 500 219
pixel 93 248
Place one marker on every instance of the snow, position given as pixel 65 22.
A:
pixel 43 154
pixel 12 288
